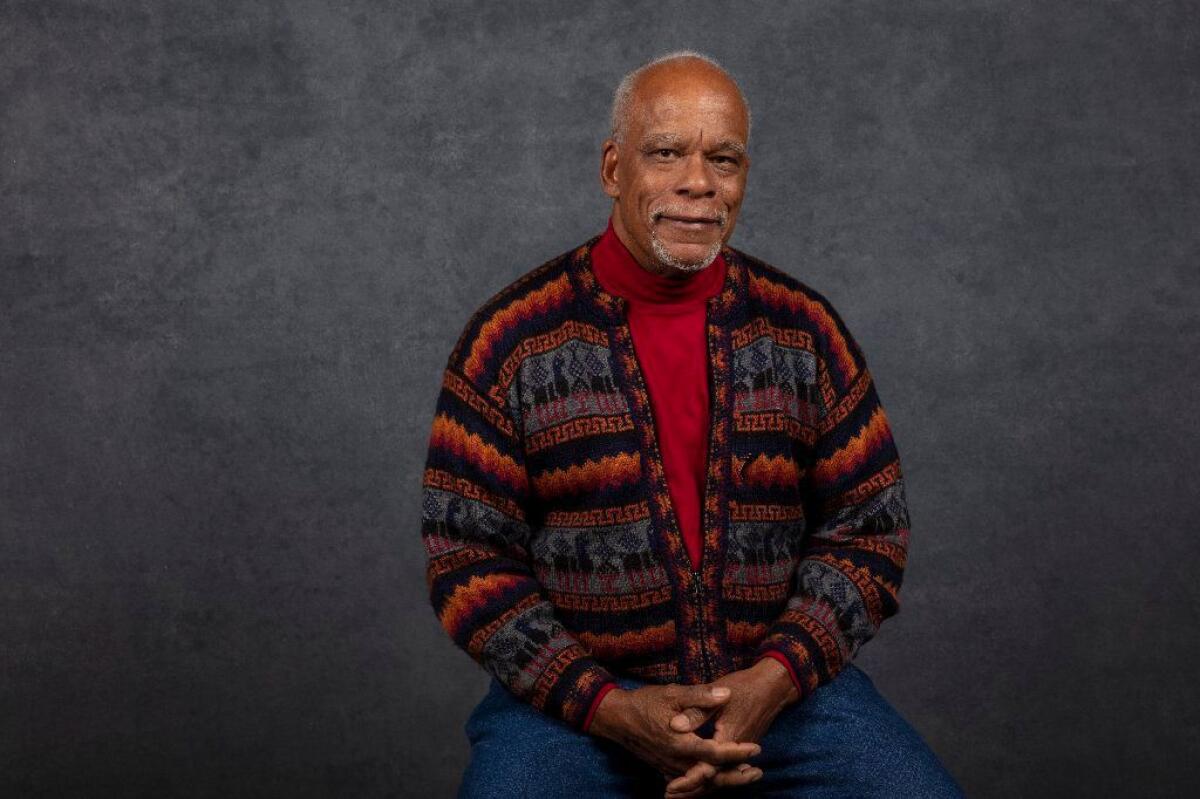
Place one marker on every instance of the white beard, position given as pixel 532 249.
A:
pixel 660 252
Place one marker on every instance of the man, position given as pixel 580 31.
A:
pixel 662 503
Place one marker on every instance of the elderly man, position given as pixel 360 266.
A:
pixel 662 504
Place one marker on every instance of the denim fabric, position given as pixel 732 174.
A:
pixel 845 740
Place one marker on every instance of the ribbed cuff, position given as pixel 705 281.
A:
pixel 812 651
pixel 572 697
pixel 587 722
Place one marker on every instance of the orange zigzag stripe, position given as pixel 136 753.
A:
pixel 477 592
pixel 548 297
pixel 450 435
pixel 611 470
pixel 745 633
pixel 857 451
pixel 781 296
pixel 774 470
pixel 644 640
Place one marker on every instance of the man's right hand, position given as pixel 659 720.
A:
pixel 640 721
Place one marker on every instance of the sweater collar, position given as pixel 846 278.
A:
pixel 620 274
pixel 611 308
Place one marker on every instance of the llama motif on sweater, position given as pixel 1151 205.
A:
pixel 554 555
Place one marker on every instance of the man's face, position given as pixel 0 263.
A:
pixel 678 178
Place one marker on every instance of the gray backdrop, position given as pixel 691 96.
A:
pixel 238 242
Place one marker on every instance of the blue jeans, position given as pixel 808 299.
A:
pixel 844 740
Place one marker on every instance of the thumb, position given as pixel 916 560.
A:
pixel 696 704
pixel 689 719
pixel 701 696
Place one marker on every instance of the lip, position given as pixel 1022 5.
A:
pixel 690 220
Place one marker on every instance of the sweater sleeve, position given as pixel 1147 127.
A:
pixel 475 530
pixel 852 557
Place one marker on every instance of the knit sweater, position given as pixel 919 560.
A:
pixel 554 555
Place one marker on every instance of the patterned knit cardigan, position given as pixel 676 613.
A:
pixel 554 556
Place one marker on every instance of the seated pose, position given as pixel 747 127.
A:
pixel 662 505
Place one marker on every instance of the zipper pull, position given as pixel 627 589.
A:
pixel 697 585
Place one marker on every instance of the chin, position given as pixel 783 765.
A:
pixel 691 258
pixel 691 255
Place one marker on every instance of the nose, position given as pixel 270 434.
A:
pixel 696 180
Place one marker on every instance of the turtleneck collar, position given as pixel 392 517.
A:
pixel 619 273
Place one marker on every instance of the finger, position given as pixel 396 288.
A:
pixel 694 777
pixel 718 752
pixel 688 793
pixel 721 730
pixel 703 789
pixel 701 696
pixel 743 774
pixel 688 719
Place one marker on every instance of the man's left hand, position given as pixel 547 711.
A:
pixel 757 695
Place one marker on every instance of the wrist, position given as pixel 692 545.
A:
pixel 778 679
pixel 608 714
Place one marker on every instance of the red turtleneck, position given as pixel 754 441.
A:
pixel 666 319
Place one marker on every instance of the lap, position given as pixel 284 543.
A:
pixel 846 740
pixel 517 751
pixel 843 740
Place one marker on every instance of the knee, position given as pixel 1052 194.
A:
pixel 924 777
pixel 880 752
pixel 900 763
pixel 493 771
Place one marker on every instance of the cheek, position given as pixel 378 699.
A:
pixel 733 188
pixel 655 184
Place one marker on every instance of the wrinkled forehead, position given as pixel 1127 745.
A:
pixel 682 111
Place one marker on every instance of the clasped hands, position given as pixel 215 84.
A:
pixel 657 724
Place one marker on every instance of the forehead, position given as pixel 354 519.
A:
pixel 683 106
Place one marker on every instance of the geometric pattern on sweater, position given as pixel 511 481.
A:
pixel 554 557
pixel 573 380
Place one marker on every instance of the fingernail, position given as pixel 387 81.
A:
pixel 719 692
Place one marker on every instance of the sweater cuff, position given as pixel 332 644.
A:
pixel 587 722
pixel 797 640
pixel 775 654
pixel 568 692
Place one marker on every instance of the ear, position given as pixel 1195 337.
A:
pixel 608 168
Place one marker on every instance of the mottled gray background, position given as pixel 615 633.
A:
pixel 239 240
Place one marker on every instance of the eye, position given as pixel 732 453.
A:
pixel 664 152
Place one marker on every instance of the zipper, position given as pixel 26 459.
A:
pixel 696 588
pixel 698 595
pixel 697 574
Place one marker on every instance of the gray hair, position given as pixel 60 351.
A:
pixel 623 96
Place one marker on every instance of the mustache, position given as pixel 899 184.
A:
pixel 659 211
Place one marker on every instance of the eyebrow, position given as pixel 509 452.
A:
pixel 659 139
pixel 732 144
